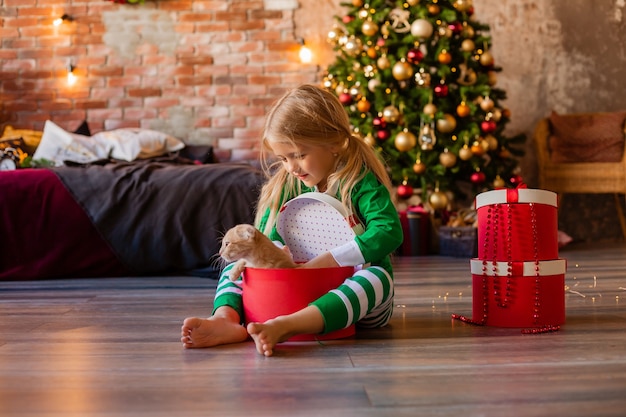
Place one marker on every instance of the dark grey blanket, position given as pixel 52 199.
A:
pixel 160 217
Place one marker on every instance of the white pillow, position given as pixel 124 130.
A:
pixel 58 145
pixel 129 144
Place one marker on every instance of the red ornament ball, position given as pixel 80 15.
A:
pixel 379 122
pixel 441 90
pixel 345 99
pixel 383 135
pixel 516 180
pixel 455 27
pixel 488 126
pixel 477 177
pixel 414 56
pixel 405 191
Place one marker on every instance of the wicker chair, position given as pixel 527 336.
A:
pixel 579 177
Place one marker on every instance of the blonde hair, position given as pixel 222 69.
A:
pixel 311 116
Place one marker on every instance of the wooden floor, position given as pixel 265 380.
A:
pixel 110 347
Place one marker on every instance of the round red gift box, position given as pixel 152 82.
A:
pixel 517 225
pixel 268 293
pixel 536 293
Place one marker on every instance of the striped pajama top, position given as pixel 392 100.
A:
pixel 366 298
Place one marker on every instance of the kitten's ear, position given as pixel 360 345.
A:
pixel 248 232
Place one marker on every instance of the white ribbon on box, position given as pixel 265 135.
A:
pixel 516 195
pixel 545 268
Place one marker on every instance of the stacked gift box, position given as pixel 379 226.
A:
pixel 518 279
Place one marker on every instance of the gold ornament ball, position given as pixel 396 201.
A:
pixel 369 139
pixel 430 109
pixel 486 59
pixel 477 148
pixel 486 104
pixel 446 124
pixel 334 35
pixel 391 114
pixel 422 28
pixel 496 115
pixel 447 158
pixel 444 57
pixel 492 142
pixel 383 62
pixel 465 153
pixel 402 70
pixel 468 31
pixel 492 78
pixel 353 46
pixel 405 141
pixel 363 105
pixel 463 110
pixel 485 144
pixel 498 182
pixel 462 5
pixel 434 9
pixel 373 84
pixel 385 29
pixel 413 2
pixel 438 200
pixel 419 167
pixel 444 31
pixel 468 45
pixel 369 28
pixel 357 3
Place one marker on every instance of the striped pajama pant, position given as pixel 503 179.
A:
pixel 365 299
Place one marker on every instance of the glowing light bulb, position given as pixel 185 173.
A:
pixel 59 21
pixel 306 56
pixel 71 77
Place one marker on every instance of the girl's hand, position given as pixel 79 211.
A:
pixel 325 260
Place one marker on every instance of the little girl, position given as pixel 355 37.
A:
pixel 308 146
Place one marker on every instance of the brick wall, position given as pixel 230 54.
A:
pixel 203 70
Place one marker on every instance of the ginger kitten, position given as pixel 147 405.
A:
pixel 249 247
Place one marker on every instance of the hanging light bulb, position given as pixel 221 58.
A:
pixel 71 77
pixel 427 138
pixel 60 20
pixel 306 56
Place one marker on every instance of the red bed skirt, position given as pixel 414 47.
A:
pixel 46 234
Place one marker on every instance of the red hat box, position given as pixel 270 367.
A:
pixel 268 293
pixel 518 294
pixel 517 225
pixel 310 224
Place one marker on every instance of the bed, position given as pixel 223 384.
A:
pixel 155 216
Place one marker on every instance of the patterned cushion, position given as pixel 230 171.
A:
pixel 593 137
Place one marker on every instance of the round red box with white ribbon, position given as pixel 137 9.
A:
pixel 310 224
pixel 517 225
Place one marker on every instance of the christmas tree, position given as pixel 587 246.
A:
pixel 417 79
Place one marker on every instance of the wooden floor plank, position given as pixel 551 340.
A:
pixel 110 348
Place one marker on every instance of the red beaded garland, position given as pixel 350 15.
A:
pixel 491 231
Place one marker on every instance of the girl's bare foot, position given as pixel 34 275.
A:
pixel 267 335
pixel 218 329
